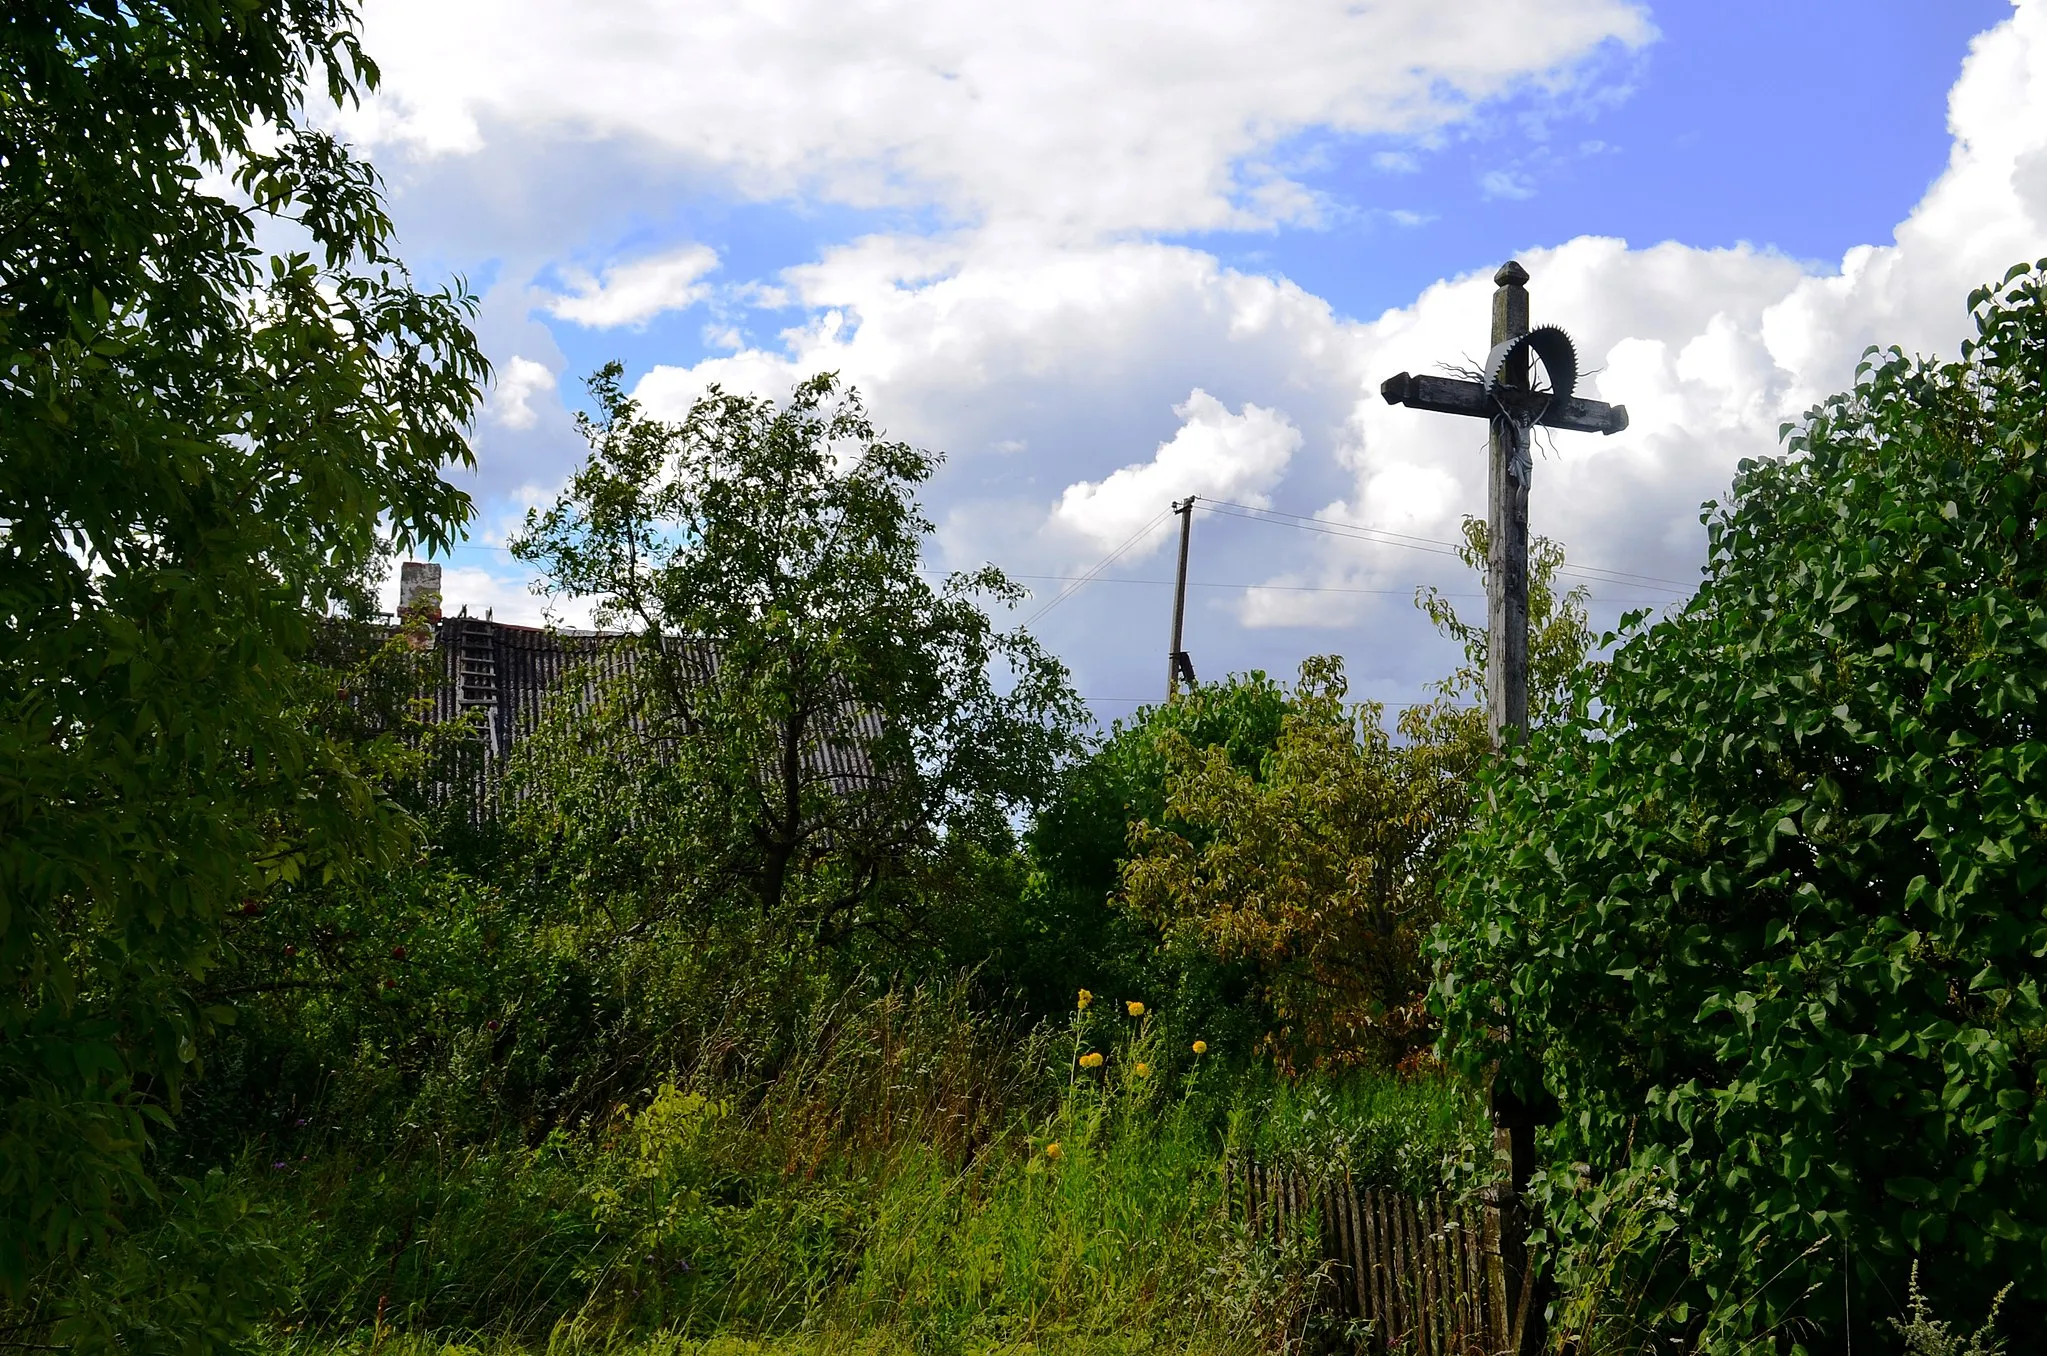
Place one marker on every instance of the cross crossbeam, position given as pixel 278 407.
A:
pixel 1453 395
pixel 1514 406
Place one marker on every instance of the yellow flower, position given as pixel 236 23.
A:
pixel 1091 1060
pixel 1201 1047
pixel 1136 1008
pixel 1085 999
pixel 1143 1069
pixel 1052 1151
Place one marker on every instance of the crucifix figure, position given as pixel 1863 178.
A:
pixel 1516 399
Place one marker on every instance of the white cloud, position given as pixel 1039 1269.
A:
pixel 1711 350
pixel 1035 367
pixel 634 293
pixel 519 380
pixel 1043 344
pixel 1082 115
pixel 982 341
pixel 1672 332
pixel 1215 454
pixel 1510 184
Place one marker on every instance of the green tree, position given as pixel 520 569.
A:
pixel 1315 861
pixel 1319 868
pixel 803 722
pixel 202 446
pixel 1559 631
pixel 1311 857
pixel 1064 930
pixel 1766 919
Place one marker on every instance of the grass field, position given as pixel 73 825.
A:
pixel 852 1205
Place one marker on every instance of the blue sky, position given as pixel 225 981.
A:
pixel 1805 127
pixel 1106 255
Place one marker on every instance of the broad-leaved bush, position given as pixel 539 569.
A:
pixel 1769 918
pixel 206 444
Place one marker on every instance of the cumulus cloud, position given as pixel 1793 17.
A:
pixel 979 343
pixel 1215 454
pixel 1086 115
pixel 634 293
pixel 1055 366
pixel 1711 350
pixel 519 380
pixel 1034 368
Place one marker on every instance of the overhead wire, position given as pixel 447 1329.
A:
pixel 1106 562
pixel 1211 584
pixel 1336 527
pixel 1405 592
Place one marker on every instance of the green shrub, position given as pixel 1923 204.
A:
pixel 888 1169
pixel 1768 919
pixel 194 1273
pixel 1420 1133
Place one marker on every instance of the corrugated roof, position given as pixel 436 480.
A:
pixel 510 676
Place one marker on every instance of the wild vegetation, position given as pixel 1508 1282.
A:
pixel 206 448
pixel 1763 917
pixel 817 980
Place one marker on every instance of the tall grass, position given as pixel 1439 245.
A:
pixel 914 1171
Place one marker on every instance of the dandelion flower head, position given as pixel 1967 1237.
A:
pixel 1085 998
pixel 1143 1069
pixel 1201 1047
pixel 1135 1008
pixel 1052 1151
pixel 1091 1060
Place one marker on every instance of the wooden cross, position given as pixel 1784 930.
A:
pixel 1514 406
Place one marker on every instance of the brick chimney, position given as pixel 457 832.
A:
pixel 419 590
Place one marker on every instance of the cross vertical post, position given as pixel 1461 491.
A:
pixel 1513 404
pixel 1508 468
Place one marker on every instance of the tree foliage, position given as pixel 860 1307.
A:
pixel 1317 863
pixel 1767 920
pixel 199 444
pixel 1559 630
pixel 1319 867
pixel 815 722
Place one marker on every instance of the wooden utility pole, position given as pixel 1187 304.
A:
pixel 1513 404
pixel 1178 665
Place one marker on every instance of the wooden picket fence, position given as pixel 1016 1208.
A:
pixel 1432 1275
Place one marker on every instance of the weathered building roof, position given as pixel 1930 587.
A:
pixel 507 677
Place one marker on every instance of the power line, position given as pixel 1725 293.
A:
pixel 1251 513
pixel 1106 562
pixel 1405 592
pixel 1336 527
pixel 1154 701
pixel 1200 584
